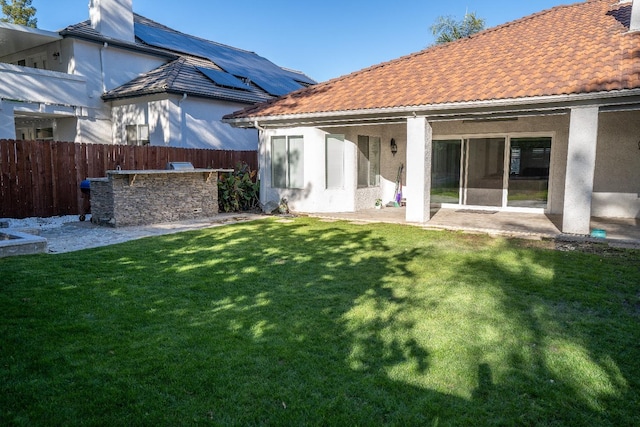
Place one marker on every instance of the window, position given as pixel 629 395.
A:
pixel 137 134
pixel 368 161
pixel 35 129
pixel 44 133
pixel 287 162
pixel 334 145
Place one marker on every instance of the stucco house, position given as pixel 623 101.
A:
pixel 122 78
pixel 541 114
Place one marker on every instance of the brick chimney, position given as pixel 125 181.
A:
pixel 113 18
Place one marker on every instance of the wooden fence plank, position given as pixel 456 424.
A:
pixel 49 179
pixel 8 166
pixel 16 189
pixel 28 190
pixel 4 174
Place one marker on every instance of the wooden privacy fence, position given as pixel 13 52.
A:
pixel 42 178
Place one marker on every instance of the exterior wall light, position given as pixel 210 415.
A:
pixel 394 147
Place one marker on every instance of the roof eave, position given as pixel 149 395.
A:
pixel 120 44
pixel 16 38
pixel 143 93
pixel 448 111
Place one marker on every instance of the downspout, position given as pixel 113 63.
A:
pixel 102 61
pixel 257 126
pixel 183 118
pixel 103 78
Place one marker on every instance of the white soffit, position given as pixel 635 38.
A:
pixel 16 38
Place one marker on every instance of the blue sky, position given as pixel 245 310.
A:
pixel 323 38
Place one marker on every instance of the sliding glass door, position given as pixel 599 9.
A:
pixel 495 172
pixel 529 172
pixel 445 171
pixel 484 166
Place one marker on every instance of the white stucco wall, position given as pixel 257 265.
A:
pixel 203 127
pixel 93 61
pixel 314 197
pixel 419 152
pixel 581 159
pixel 103 70
pixel 7 126
pixel 66 129
pixel 187 123
pixel 616 189
pixel 48 87
pixel 93 130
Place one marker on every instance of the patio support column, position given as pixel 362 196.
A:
pixel 264 165
pixel 581 161
pixel 418 191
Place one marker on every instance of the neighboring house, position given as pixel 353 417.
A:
pixel 537 115
pixel 122 78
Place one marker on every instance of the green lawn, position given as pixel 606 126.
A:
pixel 321 323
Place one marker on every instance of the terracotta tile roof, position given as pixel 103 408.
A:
pixel 580 48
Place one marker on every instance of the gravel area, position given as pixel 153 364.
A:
pixel 68 233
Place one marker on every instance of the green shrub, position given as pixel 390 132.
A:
pixel 239 190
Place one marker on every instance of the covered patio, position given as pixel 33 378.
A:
pixel 620 231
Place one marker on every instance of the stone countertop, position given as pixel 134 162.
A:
pixel 157 172
pixel 163 171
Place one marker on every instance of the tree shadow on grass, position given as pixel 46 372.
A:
pixel 303 323
pixel 573 364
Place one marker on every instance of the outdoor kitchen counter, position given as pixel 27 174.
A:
pixel 139 197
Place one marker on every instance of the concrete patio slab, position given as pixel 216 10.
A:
pixel 529 225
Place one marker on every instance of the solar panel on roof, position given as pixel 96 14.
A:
pixel 263 72
pixel 274 85
pixel 223 79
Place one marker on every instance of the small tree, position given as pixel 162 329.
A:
pixel 19 12
pixel 447 29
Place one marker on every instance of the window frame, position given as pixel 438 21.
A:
pixel 369 160
pixel 292 167
pixel 137 134
pixel 332 164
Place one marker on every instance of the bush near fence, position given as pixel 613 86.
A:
pixel 42 178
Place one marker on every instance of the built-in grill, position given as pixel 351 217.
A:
pixel 180 166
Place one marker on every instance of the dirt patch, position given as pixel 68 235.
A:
pixel 599 248
pixel 604 249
